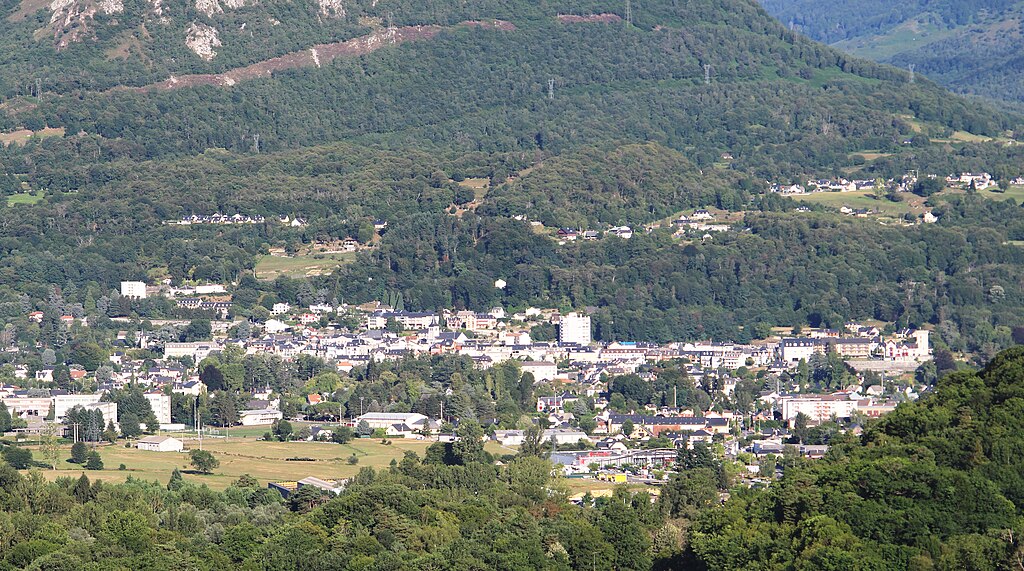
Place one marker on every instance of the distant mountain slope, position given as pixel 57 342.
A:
pixel 971 46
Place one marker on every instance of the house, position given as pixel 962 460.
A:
pixel 280 308
pixel 320 433
pixel 624 232
pixel 401 430
pixel 702 215
pixel 160 444
pixel 567 234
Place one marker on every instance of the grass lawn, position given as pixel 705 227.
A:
pixel 264 460
pixel 270 267
pixel 855 200
pixel 24 198
pixel 1015 192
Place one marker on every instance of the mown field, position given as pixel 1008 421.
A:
pixel 267 461
pixel 24 198
pixel 856 200
pixel 242 453
pixel 270 267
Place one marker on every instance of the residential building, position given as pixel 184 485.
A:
pixel 574 328
pixel 133 290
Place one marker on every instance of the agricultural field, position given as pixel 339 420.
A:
pixel 266 461
pixel 23 136
pixel 299 266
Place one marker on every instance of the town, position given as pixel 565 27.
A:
pixel 595 405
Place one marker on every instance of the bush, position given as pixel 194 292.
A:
pixel 353 460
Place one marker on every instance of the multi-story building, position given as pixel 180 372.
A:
pixel 574 328
pixel 133 290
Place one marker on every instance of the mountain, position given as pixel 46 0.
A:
pixel 460 125
pixel 970 47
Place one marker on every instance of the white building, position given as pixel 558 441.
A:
pixel 386 419
pixel 574 328
pixel 280 308
pixel 161 405
pixel 133 290
pixel 541 370
pixel 259 416
pixel 160 444
pixel 210 289
pixel 63 403
pixel 198 350
pixel 795 349
pixel 817 408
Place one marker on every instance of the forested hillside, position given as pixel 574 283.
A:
pixel 567 123
pixel 934 485
pixel 968 46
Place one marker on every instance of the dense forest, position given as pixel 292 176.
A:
pixel 623 136
pixel 934 485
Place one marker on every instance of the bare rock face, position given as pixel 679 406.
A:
pixel 202 40
pixel 70 20
pixel 332 8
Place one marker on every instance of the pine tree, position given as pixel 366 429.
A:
pixel 79 453
pixel 176 482
pixel 94 462
pixel 6 421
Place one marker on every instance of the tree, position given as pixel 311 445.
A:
pixel 927 186
pixel 6 422
pixel 342 435
pixel 20 458
pixel 130 427
pixel 50 444
pixel 224 408
pixel 689 492
pixel 79 452
pixel 94 462
pixel 176 482
pixel 627 428
pixel 89 355
pixel 282 430
pixel 203 461
pixel 110 433
pixel 363 429
pixel 533 443
pixel 212 377
pixel 469 447
pixel 197 330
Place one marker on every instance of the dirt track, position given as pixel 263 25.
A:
pixel 318 55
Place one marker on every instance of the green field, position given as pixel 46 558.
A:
pixel 264 460
pixel 1015 192
pixel 24 198
pixel 855 200
pixel 270 267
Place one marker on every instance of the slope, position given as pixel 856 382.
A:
pixel 934 485
pixel 970 47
